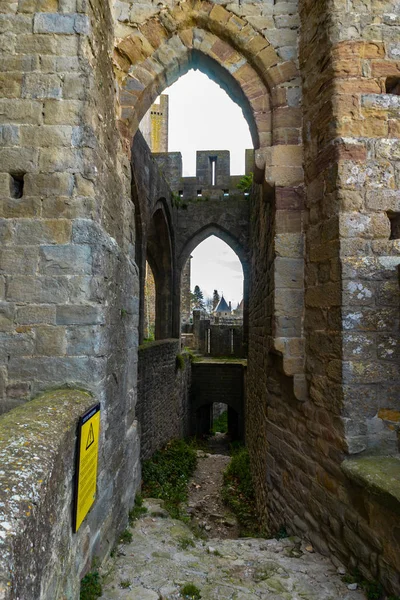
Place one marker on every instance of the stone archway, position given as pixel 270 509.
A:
pixel 164 47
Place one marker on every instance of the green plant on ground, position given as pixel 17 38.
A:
pixel 166 475
pixel 190 591
pixel 125 537
pixel 90 586
pixel 185 543
pixel 373 589
pixel 281 533
pixel 138 510
pixel 238 493
pixel 220 424
pixel 125 584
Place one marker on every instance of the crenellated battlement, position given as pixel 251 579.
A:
pixel 213 174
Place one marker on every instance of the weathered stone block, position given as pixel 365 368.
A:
pixel 7 311
pixel 67 259
pixel 18 260
pixel 61 23
pixel 10 85
pixel 30 231
pixel 35 315
pixel 16 345
pixel 86 371
pixel 23 111
pixel 46 135
pixel 86 341
pixel 63 112
pixel 50 341
pixel 60 159
pixel 289 273
pixel 41 86
pixel 79 315
pixel 37 290
pixel 54 184
pixel 18 159
pixel 9 135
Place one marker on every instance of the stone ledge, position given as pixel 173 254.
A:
pixel 380 475
pixel 37 454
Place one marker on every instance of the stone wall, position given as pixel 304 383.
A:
pixel 163 395
pixel 68 280
pixel 40 556
pixel 217 382
pixel 299 432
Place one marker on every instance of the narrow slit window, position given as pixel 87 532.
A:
pixel 393 86
pixel 16 185
pixel 213 165
pixel 199 193
pixel 394 219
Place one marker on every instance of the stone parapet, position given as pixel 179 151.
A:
pixel 40 556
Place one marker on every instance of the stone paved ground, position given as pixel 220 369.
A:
pixel 164 555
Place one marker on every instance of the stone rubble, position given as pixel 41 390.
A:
pixel 165 555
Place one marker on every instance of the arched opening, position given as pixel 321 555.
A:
pixel 149 333
pixel 160 260
pixel 212 285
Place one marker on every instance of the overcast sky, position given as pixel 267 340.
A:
pixel 203 117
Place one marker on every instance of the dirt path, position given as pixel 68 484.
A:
pixel 206 507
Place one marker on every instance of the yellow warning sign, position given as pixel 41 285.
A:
pixel 86 475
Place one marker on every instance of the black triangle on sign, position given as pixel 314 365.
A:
pixel 90 437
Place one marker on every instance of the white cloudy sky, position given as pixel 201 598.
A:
pixel 203 117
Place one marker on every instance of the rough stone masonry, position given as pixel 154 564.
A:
pixel 318 81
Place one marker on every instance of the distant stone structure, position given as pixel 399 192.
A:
pixel 154 125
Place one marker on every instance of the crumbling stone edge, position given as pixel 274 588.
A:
pixel 379 475
pixel 39 554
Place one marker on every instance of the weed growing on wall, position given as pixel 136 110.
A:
pixel 238 493
pixel 166 475
pixel 179 362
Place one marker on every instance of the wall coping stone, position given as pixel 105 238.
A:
pixel 380 475
pixel 32 436
pixel 150 345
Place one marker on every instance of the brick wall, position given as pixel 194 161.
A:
pixel 163 395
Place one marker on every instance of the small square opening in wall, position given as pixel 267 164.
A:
pixel 199 193
pixel 16 185
pixel 226 193
pixel 393 85
pixel 394 219
pixel 180 193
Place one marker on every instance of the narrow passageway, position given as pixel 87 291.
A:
pixel 169 560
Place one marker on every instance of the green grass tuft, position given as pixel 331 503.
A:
pixel 138 510
pixel 190 591
pixel 91 586
pixel 125 537
pixel 166 475
pixel 238 493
